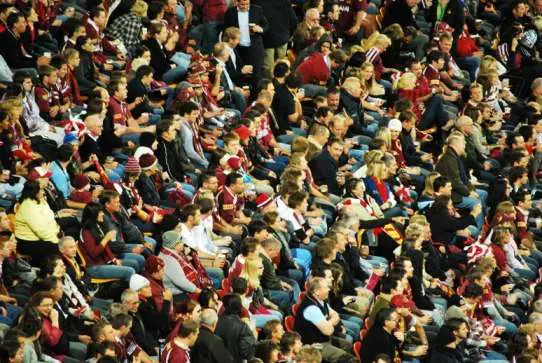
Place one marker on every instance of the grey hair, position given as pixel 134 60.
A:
pixel 63 240
pixel 116 309
pixel 126 294
pixel 208 317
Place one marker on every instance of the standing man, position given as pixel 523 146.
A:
pixel 282 22
pixel 252 24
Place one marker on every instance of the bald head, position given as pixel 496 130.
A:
pixel 94 124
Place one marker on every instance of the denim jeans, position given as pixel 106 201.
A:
pixel 469 203
pixel 13 313
pixel 113 271
pixel 133 260
pixel 470 64
pixel 303 257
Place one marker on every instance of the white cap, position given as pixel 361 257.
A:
pixel 137 282
pixel 395 125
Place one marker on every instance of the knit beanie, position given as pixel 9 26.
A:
pixel 147 161
pixel 132 166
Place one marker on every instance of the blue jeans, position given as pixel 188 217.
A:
pixel 353 324
pixel 113 271
pixel 133 260
pixel 133 137
pixel 174 74
pixel 13 313
pixel 469 203
pixel 470 64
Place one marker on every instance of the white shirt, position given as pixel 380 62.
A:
pixel 233 57
pixel 225 73
pixel 242 17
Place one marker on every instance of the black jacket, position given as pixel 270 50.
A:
pixel 444 226
pixel 159 59
pixel 282 22
pixel 11 50
pixel 142 337
pixel 398 12
pixel 210 348
pixel 137 89
pixel 85 73
pixel 352 107
pixel 324 171
pixel 451 166
pixel 156 322
pixel 173 159
pixel 445 355
pixel 147 190
pixel 237 337
pixel 234 68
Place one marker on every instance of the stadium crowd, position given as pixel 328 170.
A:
pixel 270 181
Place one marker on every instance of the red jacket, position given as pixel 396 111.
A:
pixel 93 251
pixel 314 69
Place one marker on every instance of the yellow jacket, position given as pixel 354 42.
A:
pixel 36 221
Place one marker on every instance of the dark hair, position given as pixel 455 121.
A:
pixel 147 139
pixel 12 19
pixel 185 108
pixel 108 195
pixel 154 9
pixel 297 198
pixel 439 183
pixel 48 264
pixel 163 126
pixel 31 190
pixel 120 320
pixel 189 210
pixel 382 316
pixel 232 179
pixel 232 305
pixel 387 284
pixel 520 195
pixel 440 204
pixel 516 173
pixel 239 285
pixel 434 56
pixel 64 153
pixel 187 328
pixel 206 205
pixel 95 12
pixel 248 245
pixel 90 214
pixel 517 345
pixel 205 297
pixel 265 348
pixel 444 337
pixel 288 340
pixel 293 81
pixel 473 291
pixel 143 71
pixel 281 70
pixel 70 26
pixel 256 227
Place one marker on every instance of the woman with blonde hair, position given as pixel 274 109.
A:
pixel 374 46
pixel 261 308
pixel 379 189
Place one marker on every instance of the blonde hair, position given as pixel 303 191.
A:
pixel 377 169
pixel 407 81
pixel 505 207
pixel 429 180
pixel 375 40
pixel 352 84
pixel 296 159
pixel 372 156
pixel 413 232
pixel 251 270
pixel 419 219
pixel 384 133
pixel 140 8
pixel 486 65
pixel 300 144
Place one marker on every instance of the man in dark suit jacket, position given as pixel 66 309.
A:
pixel 236 67
pixel 451 166
pixel 252 26
pixel 209 347
pixel 11 47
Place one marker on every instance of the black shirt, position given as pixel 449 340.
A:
pixel 283 106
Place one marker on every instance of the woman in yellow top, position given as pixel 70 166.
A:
pixel 36 229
